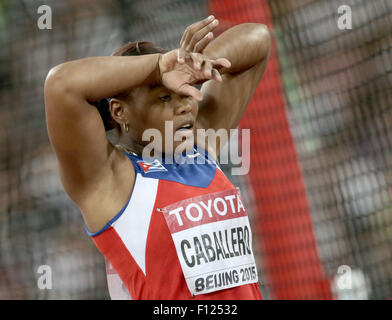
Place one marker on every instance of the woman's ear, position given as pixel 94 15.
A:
pixel 117 109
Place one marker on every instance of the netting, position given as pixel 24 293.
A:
pixel 319 190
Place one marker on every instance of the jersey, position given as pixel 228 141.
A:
pixel 183 234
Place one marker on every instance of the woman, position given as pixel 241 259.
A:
pixel 170 230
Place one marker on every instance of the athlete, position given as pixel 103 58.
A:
pixel 169 229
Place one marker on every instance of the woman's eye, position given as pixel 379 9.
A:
pixel 165 98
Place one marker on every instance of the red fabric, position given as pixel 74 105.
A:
pixel 112 247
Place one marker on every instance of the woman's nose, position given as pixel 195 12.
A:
pixel 183 107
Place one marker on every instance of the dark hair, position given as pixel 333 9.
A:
pixel 130 49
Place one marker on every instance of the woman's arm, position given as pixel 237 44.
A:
pixel 247 47
pixel 244 45
pixel 75 127
pixel 96 78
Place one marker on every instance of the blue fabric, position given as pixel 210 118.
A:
pixel 196 168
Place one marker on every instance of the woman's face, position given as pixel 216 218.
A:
pixel 172 116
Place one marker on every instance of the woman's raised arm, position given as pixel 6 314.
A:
pixel 75 127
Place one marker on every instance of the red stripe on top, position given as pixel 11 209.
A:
pixel 113 248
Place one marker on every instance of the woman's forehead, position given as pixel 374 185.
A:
pixel 140 91
pixel 145 93
pixel 156 88
pixel 148 89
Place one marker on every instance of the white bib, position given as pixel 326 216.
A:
pixel 213 241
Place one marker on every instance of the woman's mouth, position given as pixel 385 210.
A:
pixel 185 127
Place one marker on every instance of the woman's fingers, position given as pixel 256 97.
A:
pixel 194 59
pixel 193 28
pixel 197 60
pixel 195 69
pixel 210 72
pixel 207 69
pixel 181 55
pixel 200 35
pixel 221 62
pixel 197 36
pixel 216 75
pixel 199 46
pixel 189 90
pixel 199 68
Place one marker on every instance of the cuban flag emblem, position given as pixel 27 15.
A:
pixel 154 166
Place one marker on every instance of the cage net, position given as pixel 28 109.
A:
pixel 319 190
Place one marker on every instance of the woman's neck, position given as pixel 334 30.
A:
pixel 130 146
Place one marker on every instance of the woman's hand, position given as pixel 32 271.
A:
pixel 194 40
pixel 179 77
pixel 197 36
pixel 181 68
